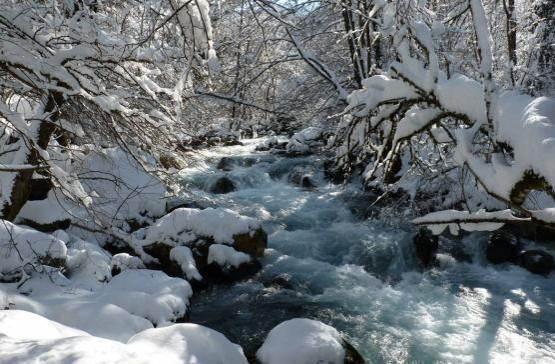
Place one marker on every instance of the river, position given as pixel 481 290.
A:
pixel 360 276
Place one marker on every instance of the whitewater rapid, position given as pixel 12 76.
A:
pixel 361 277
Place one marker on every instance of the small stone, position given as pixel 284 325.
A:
pixel 223 185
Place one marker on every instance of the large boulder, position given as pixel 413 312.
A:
pixel 205 246
pixel 222 185
pixel 502 247
pixel 426 247
pixel 302 341
pixel 537 261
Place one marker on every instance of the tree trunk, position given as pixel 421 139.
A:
pixel 21 189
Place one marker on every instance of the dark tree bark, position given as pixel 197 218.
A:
pixel 21 189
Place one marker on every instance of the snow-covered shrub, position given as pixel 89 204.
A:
pixel 455 140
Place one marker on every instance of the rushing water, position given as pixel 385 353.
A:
pixel 362 278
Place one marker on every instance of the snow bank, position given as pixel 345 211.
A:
pixel 185 225
pixel 302 341
pixel 119 184
pixel 20 246
pixel 26 338
pixel 150 294
pixel 133 301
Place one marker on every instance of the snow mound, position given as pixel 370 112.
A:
pixel 88 263
pixel 302 341
pixel 226 256
pixel 118 183
pixel 20 246
pixel 133 301
pixel 150 294
pixel 29 338
pixel 186 225
pixel 124 261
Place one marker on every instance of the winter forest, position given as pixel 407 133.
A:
pixel 277 181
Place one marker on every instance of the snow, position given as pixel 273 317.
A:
pixel 136 193
pixel 183 256
pixel 29 338
pixel 88 263
pixel 462 95
pixel 302 141
pixel 131 302
pixel 20 246
pixel 150 294
pixel 302 341
pixel 226 256
pixel 185 225
pixel 124 261
pixel 479 221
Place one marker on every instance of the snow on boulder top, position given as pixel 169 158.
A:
pixel 185 225
pixel 150 294
pixel 20 245
pixel 190 343
pixel 302 341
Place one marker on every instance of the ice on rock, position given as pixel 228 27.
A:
pixel 302 341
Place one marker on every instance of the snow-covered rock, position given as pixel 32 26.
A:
pixel 124 261
pixel 181 242
pixel 20 246
pixel 88 263
pixel 302 341
pixel 183 256
pixel 131 302
pixel 29 338
pixel 226 256
pixel 185 225
pixel 150 294
pixel 305 141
